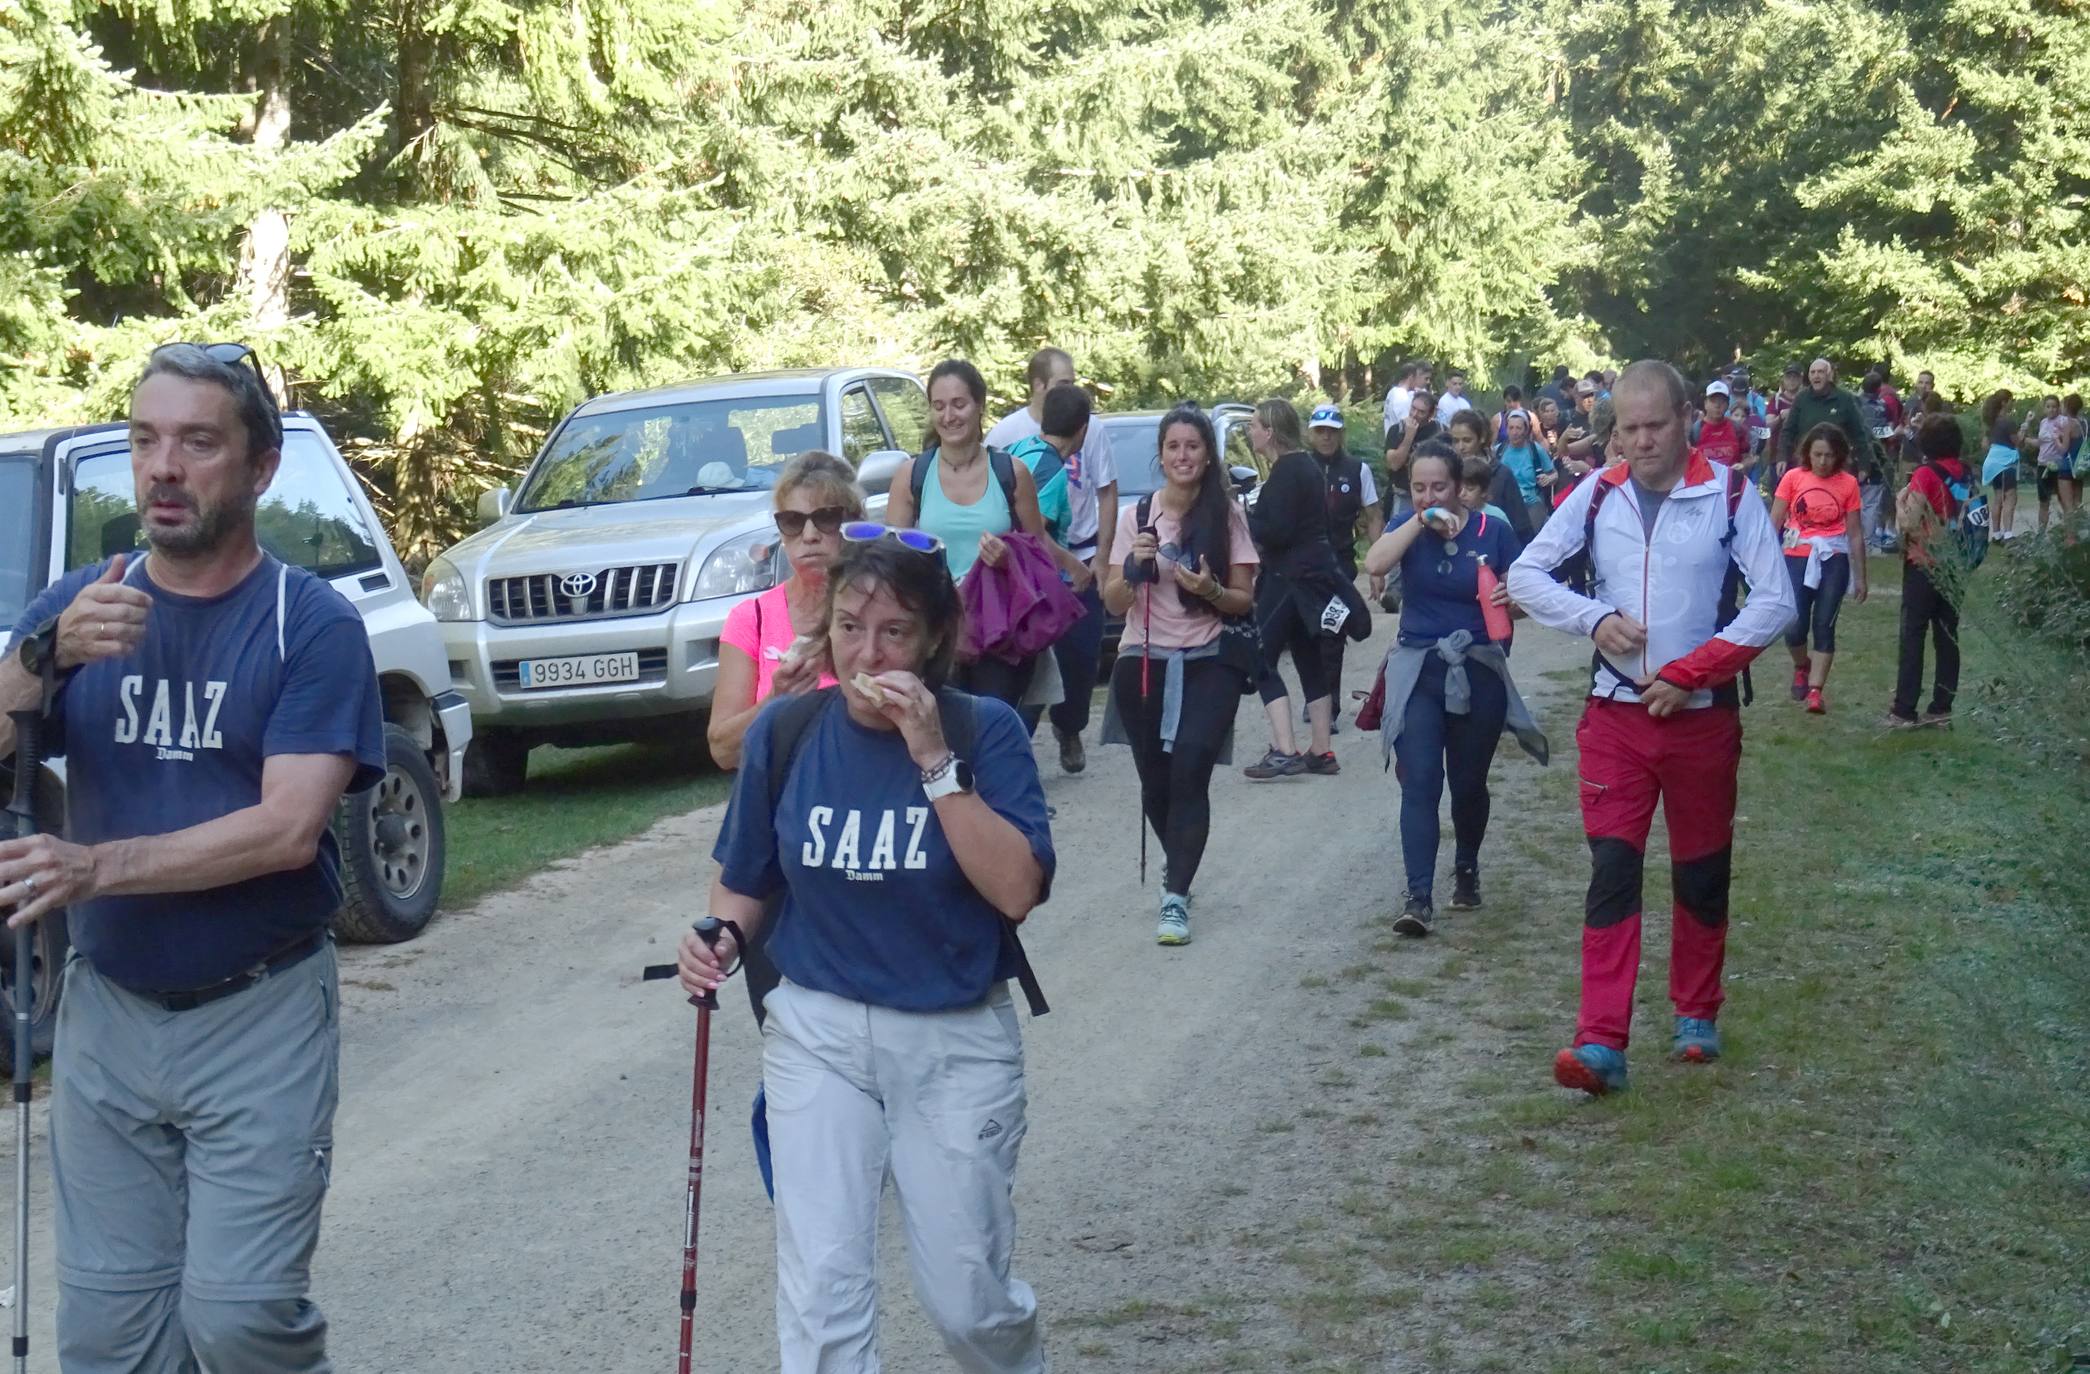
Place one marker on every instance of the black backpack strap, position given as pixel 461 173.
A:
pixel 1005 473
pixel 791 718
pixel 960 716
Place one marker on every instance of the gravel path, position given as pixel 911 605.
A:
pixel 511 1140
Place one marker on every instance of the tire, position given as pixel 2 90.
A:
pixel 392 849
pixel 48 949
pixel 495 765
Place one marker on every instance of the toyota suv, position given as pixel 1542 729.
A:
pixel 67 500
pixel 590 608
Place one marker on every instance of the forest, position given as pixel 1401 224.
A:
pixel 446 221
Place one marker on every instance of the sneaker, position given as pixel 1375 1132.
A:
pixel 1415 918
pixel 1175 922
pixel 1593 1069
pixel 1697 1040
pixel 1276 765
pixel 1815 705
pixel 1323 765
pixel 1073 758
pixel 1465 889
pixel 1941 719
pixel 1799 684
pixel 1894 721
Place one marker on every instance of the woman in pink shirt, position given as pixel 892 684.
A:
pixel 1817 507
pixel 816 494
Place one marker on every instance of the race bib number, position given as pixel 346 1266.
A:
pixel 1334 616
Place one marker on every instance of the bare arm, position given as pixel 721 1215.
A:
pixel 1854 531
pixel 733 706
pixel 1106 525
pixel 1387 550
pixel 993 854
pixel 899 498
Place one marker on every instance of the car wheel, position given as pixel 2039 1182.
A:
pixel 495 765
pixel 49 944
pixel 391 839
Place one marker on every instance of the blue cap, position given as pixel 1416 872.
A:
pixel 1325 417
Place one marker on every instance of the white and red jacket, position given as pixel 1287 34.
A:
pixel 1669 580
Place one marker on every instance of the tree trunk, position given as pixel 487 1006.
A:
pixel 264 260
pixel 414 108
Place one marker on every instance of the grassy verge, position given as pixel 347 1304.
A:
pixel 576 799
pixel 1890 1171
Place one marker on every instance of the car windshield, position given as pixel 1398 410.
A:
pixel 695 449
pixel 18 580
pixel 1135 444
pixel 307 518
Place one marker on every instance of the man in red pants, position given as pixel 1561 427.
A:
pixel 1667 533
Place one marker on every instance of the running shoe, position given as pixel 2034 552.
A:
pixel 1465 889
pixel 1697 1040
pixel 1415 918
pixel 1073 758
pixel 1323 765
pixel 1276 765
pixel 1893 721
pixel 1593 1069
pixel 1815 705
pixel 1175 922
pixel 1941 719
pixel 1799 684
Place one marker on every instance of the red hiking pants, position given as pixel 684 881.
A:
pixel 1629 759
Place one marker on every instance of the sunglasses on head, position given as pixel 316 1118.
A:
pixel 870 531
pixel 826 519
pixel 231 354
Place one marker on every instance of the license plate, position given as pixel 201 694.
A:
pixel 587 670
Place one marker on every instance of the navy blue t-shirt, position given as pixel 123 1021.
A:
pixel 875 906
pixel 175 735
pixel 1440 591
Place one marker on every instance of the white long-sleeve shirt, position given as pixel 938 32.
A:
pixel 1668 579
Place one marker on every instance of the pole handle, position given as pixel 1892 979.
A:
pixel 708 929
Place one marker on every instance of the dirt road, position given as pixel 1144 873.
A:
pixel 511 1138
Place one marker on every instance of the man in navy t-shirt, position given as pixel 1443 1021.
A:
pixel 213 705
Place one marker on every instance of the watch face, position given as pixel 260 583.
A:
pixel 963 774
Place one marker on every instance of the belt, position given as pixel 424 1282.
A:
pixel 296 952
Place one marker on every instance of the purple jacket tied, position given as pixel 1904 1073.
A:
pixel 1020 609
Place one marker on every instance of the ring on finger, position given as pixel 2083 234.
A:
pixel 30 883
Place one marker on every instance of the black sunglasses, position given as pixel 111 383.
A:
pixel 827 519
pixel 230 354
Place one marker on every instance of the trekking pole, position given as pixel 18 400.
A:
pixel 29 756
pixel 706 1003
pixel 1146 665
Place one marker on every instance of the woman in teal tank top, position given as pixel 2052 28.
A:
pixel 964 506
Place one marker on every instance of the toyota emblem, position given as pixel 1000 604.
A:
pixel 577 585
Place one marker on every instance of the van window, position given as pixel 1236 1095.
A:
pixel 699 448
pixel 906 408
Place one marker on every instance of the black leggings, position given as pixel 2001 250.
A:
pixel 1819 606
pixel 988 676
pixel 1175 787
pixel 1283 626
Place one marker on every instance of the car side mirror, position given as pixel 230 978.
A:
pixel 1244 479
pixel 494 504
pixel 876 472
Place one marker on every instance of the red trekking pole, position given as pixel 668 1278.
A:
pixel 1146 665
pixel 706 1003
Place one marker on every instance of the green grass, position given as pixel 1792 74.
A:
pixel 576 800
pixel 1890 1171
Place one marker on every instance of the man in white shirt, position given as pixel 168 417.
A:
pixel 1414 376
pixel 1454 398
pixel 1092 497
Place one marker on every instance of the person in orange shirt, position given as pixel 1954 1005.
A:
pixel 1817 507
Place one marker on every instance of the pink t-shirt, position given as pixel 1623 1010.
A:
pixel 764 623
pixel 1159 606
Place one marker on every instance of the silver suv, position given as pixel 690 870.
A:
pixel 589 611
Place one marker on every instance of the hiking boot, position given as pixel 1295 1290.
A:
pixel 1416 917
pixel 1941 719
pixel 1697 1040
pixel 1323 765
pixel 1276 765
pixel 1593 1069
pixel 1465 889
pixel 1073 758
pixel 1815 705
pixel 1799 684
pixel 1894 721
pixel 1175 921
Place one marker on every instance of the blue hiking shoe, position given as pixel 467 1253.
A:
pixel 1697 1040
pixel 1175 921
pixel 1593 1069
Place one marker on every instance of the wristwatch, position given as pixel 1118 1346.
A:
pixel 38 651
pixel 947 779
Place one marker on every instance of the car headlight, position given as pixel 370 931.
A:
pixel 445 592
pixel 745 563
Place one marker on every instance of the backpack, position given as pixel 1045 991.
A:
pixel 1970 526
pixel 1730 583
pixel 794 719
pixel 1004 473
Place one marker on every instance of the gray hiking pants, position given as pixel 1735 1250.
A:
pixel 189 1158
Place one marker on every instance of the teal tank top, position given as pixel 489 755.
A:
pixel 960 527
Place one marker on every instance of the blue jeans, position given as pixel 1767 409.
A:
pixel 1435 746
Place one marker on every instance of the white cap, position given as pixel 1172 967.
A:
pixel 1719 389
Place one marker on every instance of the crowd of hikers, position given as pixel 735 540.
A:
pixel 888 831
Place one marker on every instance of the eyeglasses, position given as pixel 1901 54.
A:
pixel 870 531
pixel 827 519
pixel 230 354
